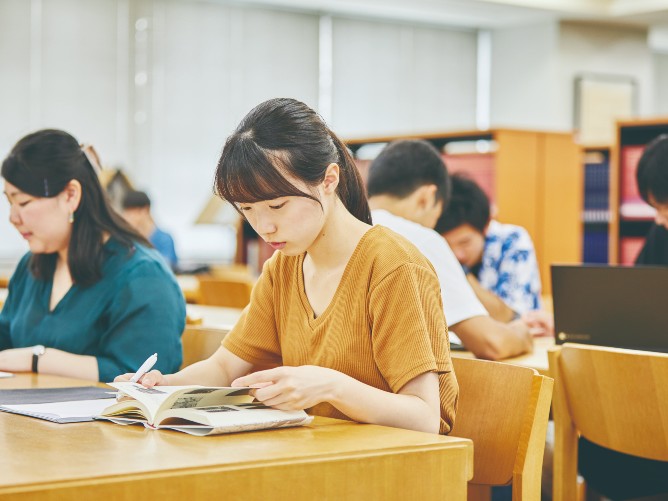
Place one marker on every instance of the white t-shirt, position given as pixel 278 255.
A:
pixel 459 300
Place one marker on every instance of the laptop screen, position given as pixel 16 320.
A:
pixel 620 306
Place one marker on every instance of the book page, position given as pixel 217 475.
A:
pixel 148 400
pixel 230 418
pixel 153 400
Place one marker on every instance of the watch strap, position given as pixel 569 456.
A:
pixel 37 352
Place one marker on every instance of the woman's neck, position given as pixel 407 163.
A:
pixel 338 239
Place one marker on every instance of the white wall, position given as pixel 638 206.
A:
pixel 394 78
pixel 603 50
pixel 523 77
pixel 534 69
pixel 157 85
pixel 661 83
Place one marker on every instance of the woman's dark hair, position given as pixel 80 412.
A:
pixel 42 164
pixel 652 174
pixel 284 137
pixel 468 205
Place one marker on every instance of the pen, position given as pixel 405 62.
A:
pixel 145 367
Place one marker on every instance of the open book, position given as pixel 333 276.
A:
pixel 197 410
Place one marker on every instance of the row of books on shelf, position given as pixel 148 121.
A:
pixel 595 245
pixel 596 187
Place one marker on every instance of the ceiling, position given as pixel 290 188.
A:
pixel 488 13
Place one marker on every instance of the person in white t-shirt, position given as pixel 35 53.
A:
pixel 408 187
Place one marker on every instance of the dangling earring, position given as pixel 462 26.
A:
pixel 71 218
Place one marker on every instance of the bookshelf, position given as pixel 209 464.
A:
pixel 533 178
pixel 631 217
pixel 596 204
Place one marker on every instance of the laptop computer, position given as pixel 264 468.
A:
pixel 619 306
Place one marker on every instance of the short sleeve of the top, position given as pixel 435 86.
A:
pixel 147 316
pixel 254 338
pixel 409 330
pixel 459 300
pixel 410 336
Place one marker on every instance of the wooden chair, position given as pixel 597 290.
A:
pixel 200 343
pixel 504 409
pixel 232 292
pixel 615 398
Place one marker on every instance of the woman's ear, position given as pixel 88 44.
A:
pixel 72 195
pixel 331 181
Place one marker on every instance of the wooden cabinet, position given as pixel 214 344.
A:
pixel 536 182
pixel 631 217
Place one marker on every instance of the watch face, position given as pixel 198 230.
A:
pixel 38 350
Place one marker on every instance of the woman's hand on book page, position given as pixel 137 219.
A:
pixel 291 388
pixel 149 380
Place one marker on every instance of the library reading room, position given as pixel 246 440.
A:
pixel 346 250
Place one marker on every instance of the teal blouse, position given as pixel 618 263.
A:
pixel 135 310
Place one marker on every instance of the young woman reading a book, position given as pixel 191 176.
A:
pixel 346 319
pixel 90 299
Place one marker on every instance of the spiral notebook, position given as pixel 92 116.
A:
pixel 59 405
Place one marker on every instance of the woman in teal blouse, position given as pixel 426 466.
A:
pixel 91 299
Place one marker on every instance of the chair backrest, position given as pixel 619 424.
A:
pixel 200 343
pixel 233 292
pixel 504 409
pixel 615 398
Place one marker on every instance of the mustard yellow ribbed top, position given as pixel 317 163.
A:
pixel 383 327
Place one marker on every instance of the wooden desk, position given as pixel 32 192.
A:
pixel 3 296
pixel 189 286
pixel 328 459
pixel 213 316
pixel 535 360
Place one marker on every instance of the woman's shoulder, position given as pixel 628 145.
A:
pixel 136 259
pixel 385 250
pixel 22 269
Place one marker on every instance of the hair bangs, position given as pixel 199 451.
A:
pixel 247 173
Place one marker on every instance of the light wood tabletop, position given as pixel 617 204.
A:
pixel 218 317
pixel 189 285
pixel 329 459
pixel 534 360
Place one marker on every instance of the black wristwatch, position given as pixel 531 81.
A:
pixel 37 351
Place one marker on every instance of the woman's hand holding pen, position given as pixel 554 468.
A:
pixel 292 388
pixel 149 380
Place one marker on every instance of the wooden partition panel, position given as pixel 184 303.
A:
pixel 517 178
pixel 562 194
